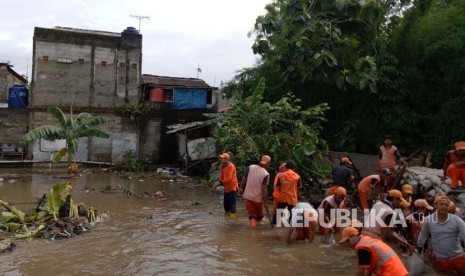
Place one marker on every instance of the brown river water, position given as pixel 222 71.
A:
pixel 187 233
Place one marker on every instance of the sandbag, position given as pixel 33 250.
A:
pixel 434 179
pixel 426 184
pixel 415 265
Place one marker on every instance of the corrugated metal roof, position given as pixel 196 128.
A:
pixel 170 82
pixel 177 127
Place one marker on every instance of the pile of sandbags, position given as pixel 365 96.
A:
pixel 432 184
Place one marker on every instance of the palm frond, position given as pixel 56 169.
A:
pixel 57 113
pixel 82 117
pixel 46 132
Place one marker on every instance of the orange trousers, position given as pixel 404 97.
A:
pixel 365 197
pixel 449 265
pixel 254 209
pixel 456 174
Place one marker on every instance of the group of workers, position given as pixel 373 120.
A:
pixel 436 231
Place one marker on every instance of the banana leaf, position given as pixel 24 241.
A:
pixel 60 154
pixel 56 198
pixel 9 217
pixel 21 215
pixel 29 234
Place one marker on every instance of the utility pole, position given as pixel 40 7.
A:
pixel 140 18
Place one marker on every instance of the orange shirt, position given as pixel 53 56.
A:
pixel 365 186
pixel 228 177
pixel 383 260
pixel 288 182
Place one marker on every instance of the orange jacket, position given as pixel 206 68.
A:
pixel 288 183
pixel 228 177
pixel 384 261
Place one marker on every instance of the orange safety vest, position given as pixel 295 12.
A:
pixel 384 261
pixel 228 178
pixel 288 189
pixel 388 157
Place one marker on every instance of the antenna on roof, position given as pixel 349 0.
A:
pixel 140 18
pixel 198 70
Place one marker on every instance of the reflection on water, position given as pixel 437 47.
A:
pixel 146 236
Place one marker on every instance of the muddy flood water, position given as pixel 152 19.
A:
pixel 187 233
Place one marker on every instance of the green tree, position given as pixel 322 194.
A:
pixel 282 129
pixel 429 42
pixel 71 129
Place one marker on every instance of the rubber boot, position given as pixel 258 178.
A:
pixel 233 215
pixel 253 223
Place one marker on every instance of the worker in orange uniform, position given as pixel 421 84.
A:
pixel 288 183
pixel 407 194
pixel 373 255
pixel 341 175
pixel 366 186
pixel 454 165
pixel 336 201
pixel 282 168
pixel 255 182
pixel 446 231
pixel 307 216
pixel 388 156
pixel 228 179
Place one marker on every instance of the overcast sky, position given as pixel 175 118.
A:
pixel 179 34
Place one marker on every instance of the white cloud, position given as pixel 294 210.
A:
pixel 179 34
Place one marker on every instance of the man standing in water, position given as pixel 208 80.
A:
pixel 447 231
pixel 228 179
pixel 288 183
pixel 255 181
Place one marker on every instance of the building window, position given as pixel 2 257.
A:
pixel 104 63
pixel 64 60
pixel 81 61
pixel 122 65
pixel 45 58
pixel 134 65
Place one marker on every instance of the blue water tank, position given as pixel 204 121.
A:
pixel 18 97
pixel 131 31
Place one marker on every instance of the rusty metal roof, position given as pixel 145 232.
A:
pixel 170 82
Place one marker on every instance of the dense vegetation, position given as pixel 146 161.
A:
pixel 383 66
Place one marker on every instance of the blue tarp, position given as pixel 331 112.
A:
pixel 185 98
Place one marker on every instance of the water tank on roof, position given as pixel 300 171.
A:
pixel 18 97
pixel 131 31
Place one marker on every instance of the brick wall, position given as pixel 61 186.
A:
pixel 13 125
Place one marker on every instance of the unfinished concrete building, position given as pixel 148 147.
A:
pixel 93 71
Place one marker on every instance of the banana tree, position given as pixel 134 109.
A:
pixel 71 129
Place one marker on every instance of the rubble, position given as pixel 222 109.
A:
pixel 431 184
